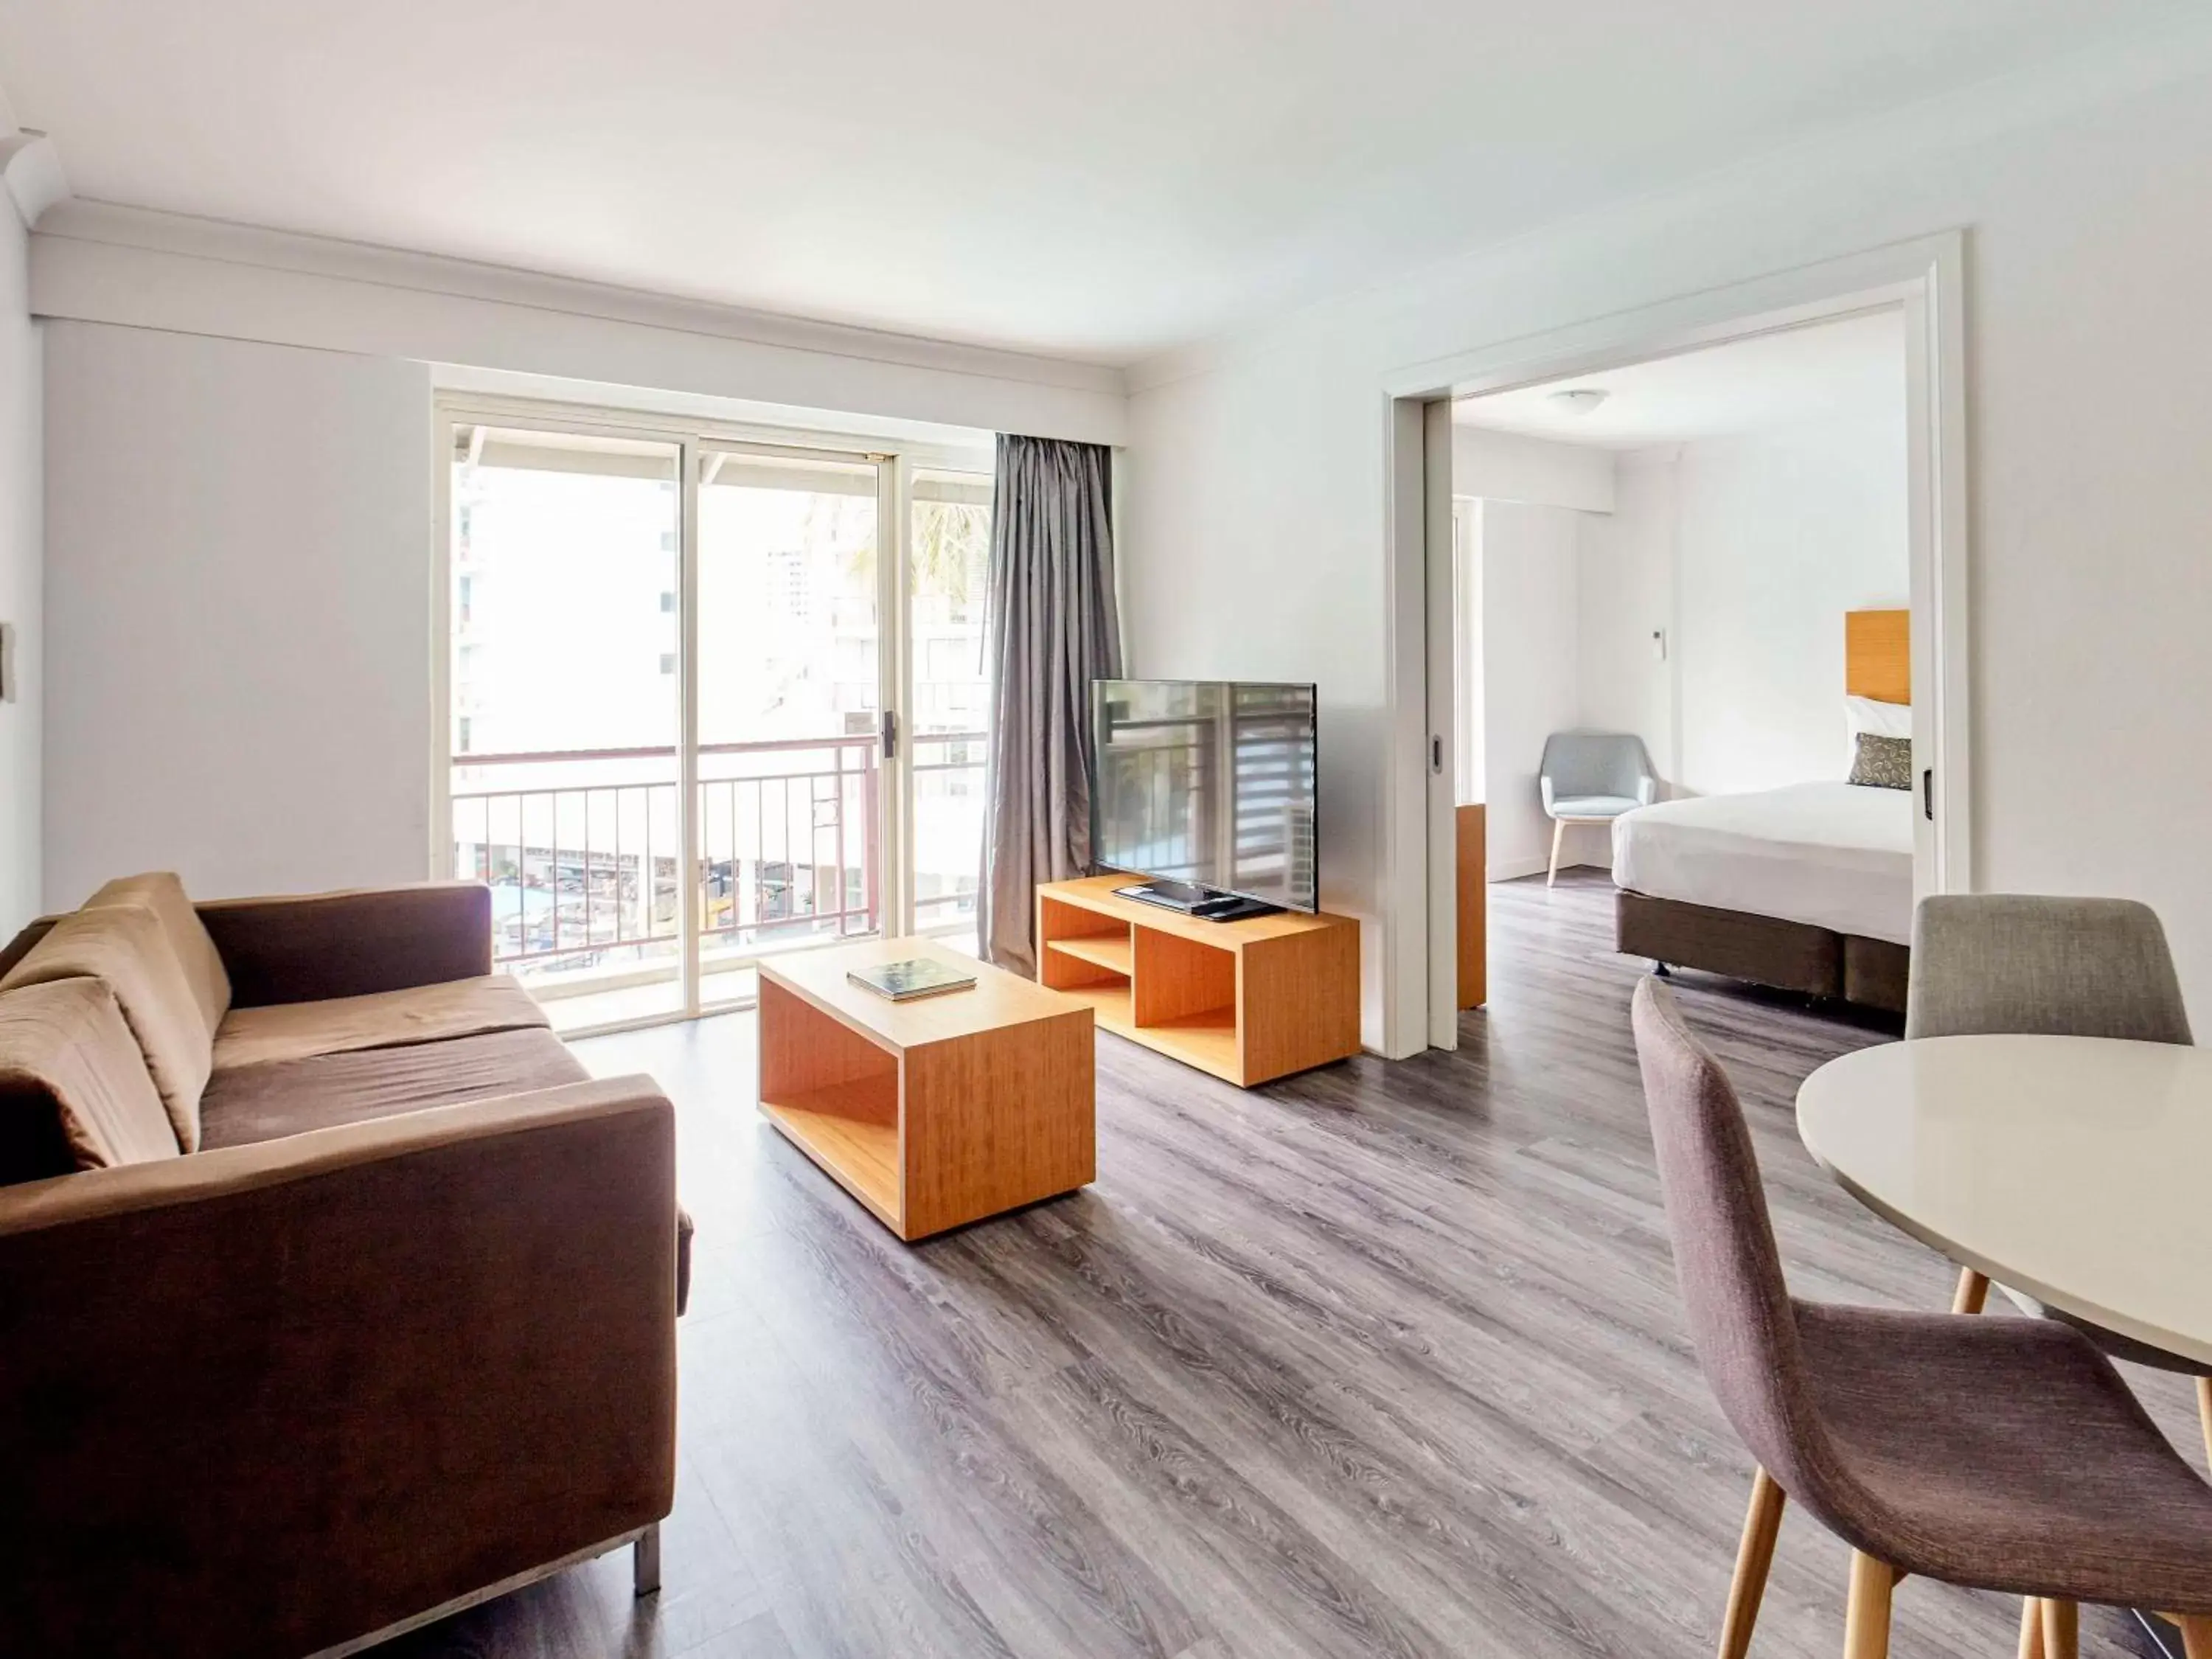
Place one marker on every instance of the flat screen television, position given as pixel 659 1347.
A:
pixel 1208 784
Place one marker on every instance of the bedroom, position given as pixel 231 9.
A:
pixel 1671 556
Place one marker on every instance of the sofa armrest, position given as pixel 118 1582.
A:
pixel 306 947
pixel 274 1397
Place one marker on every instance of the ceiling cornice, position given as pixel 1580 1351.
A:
pixel 77 218
pixel 32 170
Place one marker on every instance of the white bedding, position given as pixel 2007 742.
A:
pixel 1833 856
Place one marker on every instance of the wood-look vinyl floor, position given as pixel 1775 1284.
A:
pixel 1378 1360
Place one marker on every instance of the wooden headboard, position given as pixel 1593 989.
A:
pixel 1878 655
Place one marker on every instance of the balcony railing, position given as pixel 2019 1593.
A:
pixel 582 848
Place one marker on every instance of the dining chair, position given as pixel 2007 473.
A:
pixel 1592 777
pixel 2016 963
pixel 2001 1455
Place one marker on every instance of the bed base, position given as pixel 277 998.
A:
pixel 1787 956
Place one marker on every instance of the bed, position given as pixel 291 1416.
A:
pixel 1807 888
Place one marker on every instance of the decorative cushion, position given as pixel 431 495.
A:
pixel 382 1019
pixel 163 894
pixel 126 947
pixel 73 1085
pixel 1882 762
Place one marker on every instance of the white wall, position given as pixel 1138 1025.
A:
pixel 20 604
pixel 1780 534
pixel 1505 467
pixel 1627 570
pixel 1531 642
pixel 1257 484
pixel 238 614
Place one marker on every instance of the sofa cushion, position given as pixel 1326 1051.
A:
pixel 244 1104
pixel 382 1019
pixel 75 1092
pixel 275 1098
pixel 126 947
pixel 164 895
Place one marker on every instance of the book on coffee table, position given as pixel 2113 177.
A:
pixel 914 976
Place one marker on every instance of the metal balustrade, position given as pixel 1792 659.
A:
pixel 582 848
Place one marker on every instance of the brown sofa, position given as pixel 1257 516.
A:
pixel 334 1295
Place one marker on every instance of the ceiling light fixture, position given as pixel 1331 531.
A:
pixel 1579 400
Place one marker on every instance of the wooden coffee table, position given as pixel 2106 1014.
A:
pixel 932 1113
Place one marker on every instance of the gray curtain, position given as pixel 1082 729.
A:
pixel 1050 628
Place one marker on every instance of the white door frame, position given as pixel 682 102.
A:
pixel 1926 277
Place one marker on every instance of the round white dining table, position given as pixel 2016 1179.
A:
pixel 2078 1170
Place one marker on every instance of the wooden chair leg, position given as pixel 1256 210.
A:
pixel 2204 1413
pixel 1866 1616
pixel 2062 1630
pixel 2030 1628
pixel 2196 1633
pixel 1558 829
pixel 1973 1291
pixel 1752 1557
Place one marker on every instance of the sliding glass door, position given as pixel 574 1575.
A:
pixel 791 682
pixel 708 700
pixel 948 550
pixel 565 710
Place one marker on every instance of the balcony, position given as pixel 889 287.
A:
pixel 583 853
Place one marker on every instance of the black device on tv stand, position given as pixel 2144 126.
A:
pixel 1204 903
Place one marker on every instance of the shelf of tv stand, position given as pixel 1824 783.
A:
pixel 1245 1000
pixel 1112 951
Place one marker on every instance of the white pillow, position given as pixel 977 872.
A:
pixel 1883 720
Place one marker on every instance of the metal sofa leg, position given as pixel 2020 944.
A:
pixel 645 1561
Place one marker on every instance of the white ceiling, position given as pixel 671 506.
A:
pixel 1092 181
pixel 1831 372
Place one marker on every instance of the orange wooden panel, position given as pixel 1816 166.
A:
pixel 1878 655
pixel 802 1049
pixel 1297 1002
pixel 1473 880
pixel 1177 976
pixel 998 1119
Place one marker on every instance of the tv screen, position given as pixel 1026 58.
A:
pixel 1209 782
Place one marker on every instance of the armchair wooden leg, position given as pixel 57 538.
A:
pixel 1754 1556
pixel 645 1561
pixel 2030 1628
pixel 2062 1630
pixel 2204 1413
pixel 1866 1617
pixel 1558 829
pixel 1973 1291
pixel 2196 1633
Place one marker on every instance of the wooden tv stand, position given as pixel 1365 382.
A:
pixel 1245 1000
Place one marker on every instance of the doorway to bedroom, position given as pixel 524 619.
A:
pixel 1681 600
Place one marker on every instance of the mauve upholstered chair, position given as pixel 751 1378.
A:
pixel 1990 963
pixel 1999 1454
pixel 1592 777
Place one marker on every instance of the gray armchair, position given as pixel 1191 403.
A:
pixel 1592 777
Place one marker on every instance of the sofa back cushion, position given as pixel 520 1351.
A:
pixel 75 1092
pixel 163 894
pixel 125 947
